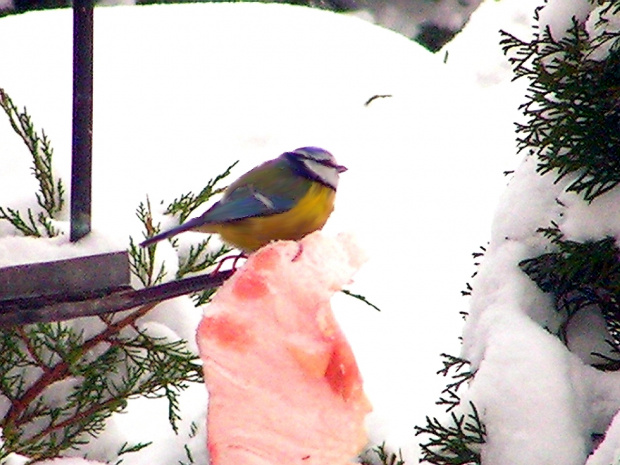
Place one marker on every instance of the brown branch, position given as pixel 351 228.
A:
pixel 62 369
pixel 26 340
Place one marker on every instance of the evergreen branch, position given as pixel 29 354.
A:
pixel 142 259
pixel 178 361
pixel 457 443
pixel 188 454
pixel 609 362
pixel 26 227
pixel 519 55
pixel 361 298
pixel 132 365
pixel 580 275
pixel 33 351
pixel 50 197
pixel 46 222
pixel 199 258
pixel 102 370
pixel 467 291
pixel 51 192
pixel 73 430
pixel 174 415
pixel 572 106
pixel 193 429
pixel 388 458
pixel 184 205
pixel 127 449
pixel 477 256
pixel 204 297
pixel 456 368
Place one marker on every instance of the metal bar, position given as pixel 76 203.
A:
pixel 81 162
pixel 41 309
pixel 71 276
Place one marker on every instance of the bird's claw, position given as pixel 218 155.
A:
pixel 235 259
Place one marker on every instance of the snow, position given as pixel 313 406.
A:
pixel 182 91
pixel 537 427
pixel 558 15
pixel 68 461
pixel 599 21
pixel 541 402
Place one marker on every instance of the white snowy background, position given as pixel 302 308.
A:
pixel 182 91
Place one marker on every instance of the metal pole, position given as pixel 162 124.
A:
pixel 81 162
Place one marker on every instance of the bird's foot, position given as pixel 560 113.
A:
pixel 235 259
pixel 299 252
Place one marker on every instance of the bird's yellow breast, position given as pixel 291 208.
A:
pixel 310 214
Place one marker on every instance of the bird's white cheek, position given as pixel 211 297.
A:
pixel 328 174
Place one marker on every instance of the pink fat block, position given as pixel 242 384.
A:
pixel 284 387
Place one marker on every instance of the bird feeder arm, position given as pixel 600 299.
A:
pixel 82 134
pixel 92 285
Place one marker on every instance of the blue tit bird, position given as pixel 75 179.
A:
pixel 282 199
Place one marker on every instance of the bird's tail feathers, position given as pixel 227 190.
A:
pixel 191 224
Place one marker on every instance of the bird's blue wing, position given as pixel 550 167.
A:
pixel 250 204
pixel 271 188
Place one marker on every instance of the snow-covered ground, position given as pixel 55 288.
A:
pixel 182 91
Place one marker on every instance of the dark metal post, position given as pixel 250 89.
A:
pixel 81 163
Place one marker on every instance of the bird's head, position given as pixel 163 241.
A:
pixel 317 164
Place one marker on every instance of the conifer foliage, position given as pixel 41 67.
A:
pixel 573 103
pixel 581 275
pixel 50 198
pixel 572 130
pixel 60 382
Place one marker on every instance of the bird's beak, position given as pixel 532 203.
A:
pixel 340 168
